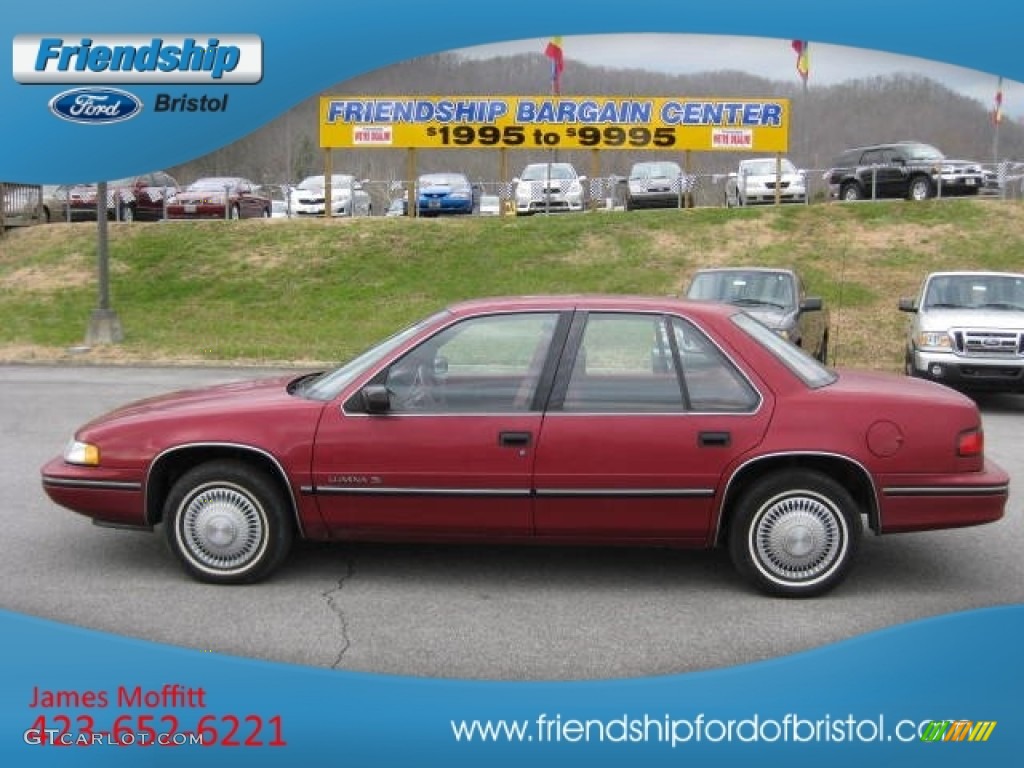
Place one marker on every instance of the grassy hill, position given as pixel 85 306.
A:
pixel 307 292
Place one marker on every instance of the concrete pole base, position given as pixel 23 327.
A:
pixel 104 328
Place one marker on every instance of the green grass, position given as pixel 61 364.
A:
pixel 320 291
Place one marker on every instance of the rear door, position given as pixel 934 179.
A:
pixel 646 414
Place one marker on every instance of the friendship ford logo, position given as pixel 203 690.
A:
pixel 95 105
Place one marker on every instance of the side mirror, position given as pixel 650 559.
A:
pixel 907 305
pixel 376 398
pixel 811 304
pixel 581 179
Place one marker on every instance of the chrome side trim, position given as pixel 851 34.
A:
pixel 239 446
pixel 668 493
pixel 335 490
pixel 944 490
pixel 107 485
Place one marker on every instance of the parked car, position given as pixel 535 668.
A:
pixel 398 207
pixel 967 330
pixel 55 202
pixel 909 169
pixel 134 198
pixel 490 205
pixel 546 419
pixel 444 193
pixel 220 197
pixel 348 198
pixel 656 184
pixel 776 297
pixel 549 188
pixel 755 182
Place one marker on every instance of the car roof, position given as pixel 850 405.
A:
pixel 974 273
pixel 593 302
pixel 772 270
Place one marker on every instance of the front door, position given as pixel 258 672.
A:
pixel 453 450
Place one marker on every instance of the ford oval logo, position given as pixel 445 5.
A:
pixel 95 105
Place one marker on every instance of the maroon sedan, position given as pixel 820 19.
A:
pixel 220 197
pixel 589 420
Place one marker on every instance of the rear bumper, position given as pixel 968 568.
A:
pixel 930 502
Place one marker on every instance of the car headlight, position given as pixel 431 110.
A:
pixel 934 340
pixel 85 454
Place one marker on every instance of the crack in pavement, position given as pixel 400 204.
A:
pixel 330 596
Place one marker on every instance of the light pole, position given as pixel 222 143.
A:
pixel 104 325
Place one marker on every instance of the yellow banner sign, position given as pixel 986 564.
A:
pixel 555 122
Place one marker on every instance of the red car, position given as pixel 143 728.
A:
pixel 135 198
pixel 590 420
pixel 221 197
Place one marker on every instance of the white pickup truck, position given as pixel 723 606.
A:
pixel 967 330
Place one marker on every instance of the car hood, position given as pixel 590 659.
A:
pixel 773 317
pixel 943 319
pixel 218 399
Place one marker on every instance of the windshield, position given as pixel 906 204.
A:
pixel 218 184
pixel 923 152
pixel 545 171
pixel 744 288
pixel 330 384
pixel 655 170
pixel 443 179
pixel 317 182
pixel 766 167
pixel 806 368
pixel 975 292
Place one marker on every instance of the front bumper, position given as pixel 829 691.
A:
pixel 108 496
pixel 969 372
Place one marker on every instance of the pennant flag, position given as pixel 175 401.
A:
pixel 997 113
pixel 803 59
pixel 554 52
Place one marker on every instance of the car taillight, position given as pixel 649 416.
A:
pixel 970 443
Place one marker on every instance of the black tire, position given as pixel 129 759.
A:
pixel 266 213
pixel 851 191
pixel 227 523
pixel 823 352
pixel 920 188
pixel 795 533
pixel 235 213
pixel 127 213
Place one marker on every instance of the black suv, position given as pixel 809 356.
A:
pixel 907 169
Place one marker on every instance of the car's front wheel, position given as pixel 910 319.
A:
pixel 851 191
pixel 227 523
pixel 795 533
pixel 920 188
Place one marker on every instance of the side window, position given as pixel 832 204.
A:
pixel 486 364
pixel 713 384
pixel 624 365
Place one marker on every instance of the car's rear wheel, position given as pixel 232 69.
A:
pixel 920 188
pixel 227 523
pixel 795 533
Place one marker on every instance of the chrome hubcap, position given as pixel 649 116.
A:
pixel 223 528
pixel 798 538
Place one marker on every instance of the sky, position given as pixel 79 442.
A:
pixel 766 57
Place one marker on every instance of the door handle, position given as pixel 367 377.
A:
pixel 514 438
pixel 718 439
